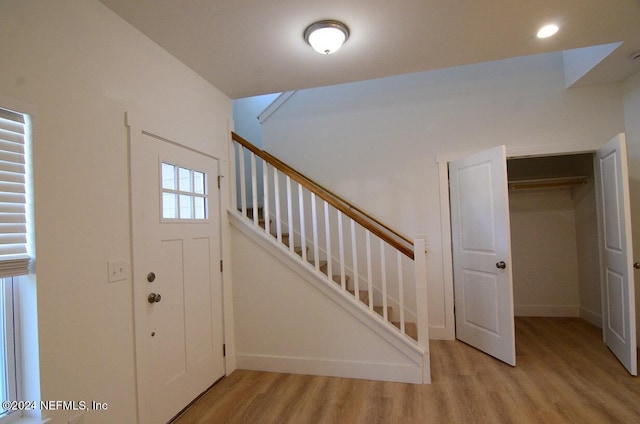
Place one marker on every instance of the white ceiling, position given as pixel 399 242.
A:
pixel 252 47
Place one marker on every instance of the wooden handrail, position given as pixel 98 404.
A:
pixel 392 237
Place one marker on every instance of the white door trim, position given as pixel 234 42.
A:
pixel 170 133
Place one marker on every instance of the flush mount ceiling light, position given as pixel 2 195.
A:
pixel 547 31
pixel 327 36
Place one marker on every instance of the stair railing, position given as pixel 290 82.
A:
pixel 373 264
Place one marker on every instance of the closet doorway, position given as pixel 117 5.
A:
pixel 481 241
pixel 554 237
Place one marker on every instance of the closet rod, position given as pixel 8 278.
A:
pixel 547 183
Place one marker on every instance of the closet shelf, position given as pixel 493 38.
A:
pixel 542 183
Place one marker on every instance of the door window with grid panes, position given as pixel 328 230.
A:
pixel 184 193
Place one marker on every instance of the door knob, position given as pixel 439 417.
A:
pixel 154 298
pixel 636 265
pixel 501 265
pixel 151 277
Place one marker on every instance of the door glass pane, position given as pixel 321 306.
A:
pixel 198 182
pixel 168 176
pixel 200 208
pixel 186 208
pixel 169 205
pixel 184 193
pixel 184 179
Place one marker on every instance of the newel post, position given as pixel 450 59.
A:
pixel 422 307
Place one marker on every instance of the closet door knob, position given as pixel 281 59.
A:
pixel 636 265
pixel 501 265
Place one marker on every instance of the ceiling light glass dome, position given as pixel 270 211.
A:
pixel 326 37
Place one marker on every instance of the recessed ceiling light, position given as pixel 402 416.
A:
pixel 326 37
pixel 547 31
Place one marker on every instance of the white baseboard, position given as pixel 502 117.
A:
pixel 401 373
pixel 546 310
pixel 441 333
pixel 592 317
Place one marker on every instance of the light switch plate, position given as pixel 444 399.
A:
pixel 117 270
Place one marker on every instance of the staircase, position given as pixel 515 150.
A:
pixel 379 273
pixel 411 329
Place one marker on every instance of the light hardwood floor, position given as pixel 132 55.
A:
pixel 564 374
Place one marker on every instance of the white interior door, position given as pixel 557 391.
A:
pixel 482 253
pixel 176 274
pixel 618 296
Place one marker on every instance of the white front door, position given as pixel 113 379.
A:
pixel 176 274
pixel 618 296
pixel 482 253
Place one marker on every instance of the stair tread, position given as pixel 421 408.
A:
pixel 298 250
pixel 363 295
pixel 410 328
pixel 380 311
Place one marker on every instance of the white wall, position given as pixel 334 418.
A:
pixel 245 116
pixel 544 254
pixel 376 142
pixel 247 125
pixel 80 67
pixel 632 124
pixel 554 236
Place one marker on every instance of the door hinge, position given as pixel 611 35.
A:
pixel 224 350
pixel 220 177
pixel 221 267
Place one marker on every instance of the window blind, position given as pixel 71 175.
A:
pixel 14 257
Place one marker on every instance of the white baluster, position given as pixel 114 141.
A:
pixel 303 234
pixel 265 195
pixel 327 233
pixel 290 214
pixel 341 249
pixel 354 256
pixel 276 197
pixel 233 170
pixel 243 183
pixel 400 291
pixel 369 271
pixel 383 274
pixel 254 188
pixel 314 222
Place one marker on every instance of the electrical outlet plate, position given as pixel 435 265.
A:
pixel 117 270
